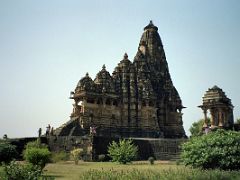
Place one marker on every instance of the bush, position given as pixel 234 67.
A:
pixel 123 152
pixel 179 162
pixel 151 160
pixel 35 144
pixel 7 151
pixel 16 171
pixel 59 156
pixel 76 154
pixel 197 127
pixel 218 149
pixel 101 157
pixel 37 156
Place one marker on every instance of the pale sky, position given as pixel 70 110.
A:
pixel 47 46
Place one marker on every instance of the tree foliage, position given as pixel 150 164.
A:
pixel 196 128
pixel 101 157
pixel 59 156
pixel 123 152
pixel 37 154
pixel 151 160
pixel 20 171
pixel 7 151
pixel 35 144
pixel 218 149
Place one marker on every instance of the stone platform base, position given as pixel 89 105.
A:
pixel 160 148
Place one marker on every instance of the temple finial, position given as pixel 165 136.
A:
pixel 104 67
pixel 125 56
pixel 151 26
pixel 87 75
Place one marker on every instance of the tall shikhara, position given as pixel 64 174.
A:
pixel 138 100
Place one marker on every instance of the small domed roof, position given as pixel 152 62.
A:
pixel 86 82
pixel 216 95
pixel 104 81
pixel 102 76
pixel 125 61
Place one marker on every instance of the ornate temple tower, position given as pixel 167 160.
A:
pixel 137 100
pixel 153 75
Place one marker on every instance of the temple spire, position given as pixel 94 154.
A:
pixel 151 43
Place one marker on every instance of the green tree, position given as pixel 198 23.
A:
pixel 196 128
pixel 5 137
pixel 238 120
pixel 218 149
pixel 21 171
pixel 7 151
pixel 35 144
pixel 123 152
pixel 37 154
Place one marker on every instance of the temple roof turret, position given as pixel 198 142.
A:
pixel 85 80
pixel 125 61
pixel 215 95
pixel 124 65
pixel 102 76
pixel 86 83
pixel 104 81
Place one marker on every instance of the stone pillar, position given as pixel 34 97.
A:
pixel 212 118
pixel 180 110
pixel 220 120
pixel 104 102
pixel 205 125
pixel 147 103
pixel 226 118
pixel 81 122
pixel 180 118
pixel 223 118
pixel 84 102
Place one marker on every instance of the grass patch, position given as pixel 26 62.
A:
pixel 137 170
pixel 59 156
pixel 1 172
pixel 170 174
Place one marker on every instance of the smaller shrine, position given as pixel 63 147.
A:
pixel 220 108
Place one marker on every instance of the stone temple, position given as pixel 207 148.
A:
pixel 137 100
